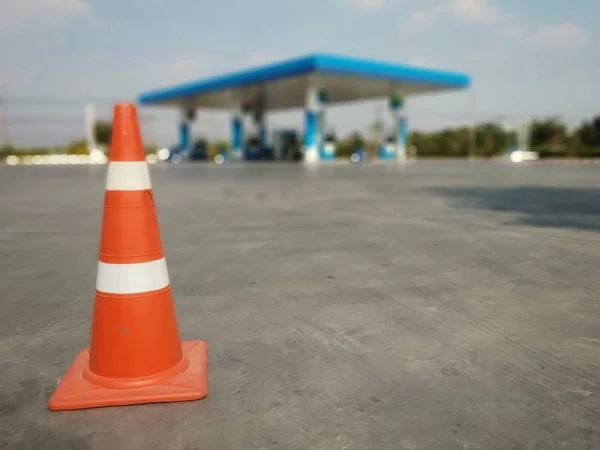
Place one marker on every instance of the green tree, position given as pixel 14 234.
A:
pixel 103 131
pixel 349 144
pixel 548 132
pixel 7 149
pixel 77 147
pixel 588 132
pixel 215 147
pixel 357 140
pixel 490 139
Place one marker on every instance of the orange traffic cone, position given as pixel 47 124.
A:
pixel 135 355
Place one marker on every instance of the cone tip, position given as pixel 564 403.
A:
pixel 125 111
pixel 126 141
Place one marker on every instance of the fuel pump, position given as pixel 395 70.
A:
pixel 286 145
pixel 329 147
pixel 388 149
pixel 252 149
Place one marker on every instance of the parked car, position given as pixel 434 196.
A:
pixel 197 152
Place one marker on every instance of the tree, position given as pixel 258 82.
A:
pixel 77 147
pixel 103 131
pixel 421 142
pixel 6 149
pixel 350 144
pixel 490 139
pixel 357 141
pixel 548 132
pixel 216 147
pixel 589 132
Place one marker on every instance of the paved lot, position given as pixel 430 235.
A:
pixel 436 306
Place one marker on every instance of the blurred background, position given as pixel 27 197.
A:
pixel 66 125
pixel 534 71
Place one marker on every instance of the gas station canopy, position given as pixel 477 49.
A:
pixel 283 85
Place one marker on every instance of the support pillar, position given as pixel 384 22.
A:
pixel 311 126
pixel 237 135
pixel 185 141
pixel 402 137
pixel 263 135
pixel 90 120
pixel 327 149
pixel 397 149
pixel 254 150
pixel 184 137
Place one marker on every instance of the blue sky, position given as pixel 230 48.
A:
pixel 526 57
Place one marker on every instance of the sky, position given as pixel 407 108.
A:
pixel 526 58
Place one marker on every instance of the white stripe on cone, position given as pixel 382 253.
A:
pixel 127 176
pixel 132 278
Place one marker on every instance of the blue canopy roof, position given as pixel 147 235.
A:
pixel 283 84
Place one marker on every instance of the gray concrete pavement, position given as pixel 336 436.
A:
pixel 435 306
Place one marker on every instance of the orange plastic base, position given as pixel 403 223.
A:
pixel 75 392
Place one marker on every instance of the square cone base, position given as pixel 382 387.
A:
pixel 74 392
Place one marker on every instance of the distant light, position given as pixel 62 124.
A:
pixel 97 157
pixel 12 160
pixel 219 159
pixel 516 156
pixel 163 154
pixel 355 157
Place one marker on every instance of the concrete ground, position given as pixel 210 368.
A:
pixel 432 306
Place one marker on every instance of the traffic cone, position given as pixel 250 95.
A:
pixel 135 355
